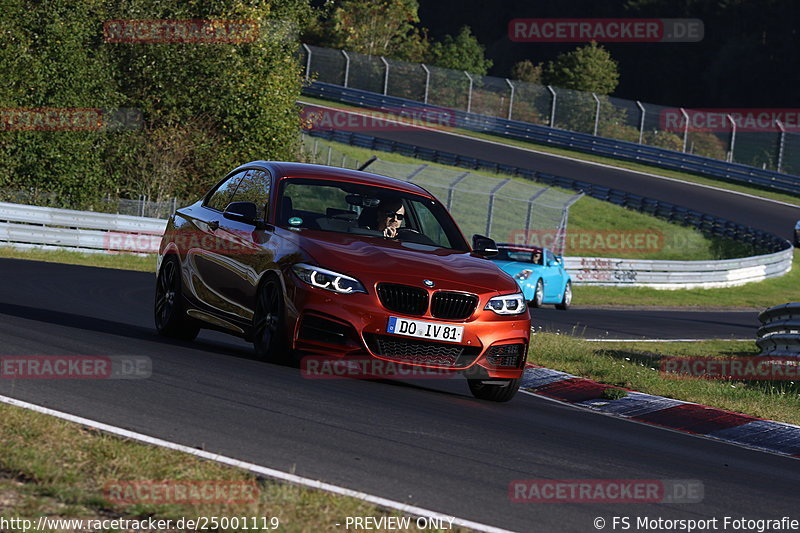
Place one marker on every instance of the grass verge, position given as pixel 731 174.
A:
pixel 636 366
pixel 120 261
pixel 59 469
pixel 639 167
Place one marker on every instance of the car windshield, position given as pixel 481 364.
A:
pixel 366 210
pixel 526 255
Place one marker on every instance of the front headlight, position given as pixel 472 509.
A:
pixel 327 279
pixel 523 274
pixel 510 304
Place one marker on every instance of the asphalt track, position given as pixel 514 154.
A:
pixel 758 213
pixel 426 443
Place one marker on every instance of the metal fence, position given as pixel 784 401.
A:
pixel 770 147
pixel 501 208
pixel 756 241
pixel 139 207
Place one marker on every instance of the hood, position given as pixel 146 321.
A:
pixel 374 259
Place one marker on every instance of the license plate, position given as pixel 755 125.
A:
pixel 424 330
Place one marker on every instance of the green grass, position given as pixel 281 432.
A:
pixel 121 261
pixel 51 467
pixel 640 167
pixel 588 217
pixel 636 366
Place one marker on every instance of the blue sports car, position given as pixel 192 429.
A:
pixel 539 273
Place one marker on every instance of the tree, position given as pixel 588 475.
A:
pixel 462 52
pixel 375 27
pixel 527 71
pixel 588 68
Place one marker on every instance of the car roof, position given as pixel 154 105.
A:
pixel 308 170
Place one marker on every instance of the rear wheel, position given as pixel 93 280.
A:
pixel 538 294
pixel 170 309
pixel 494 390
pixel 566 301
pixel 269 335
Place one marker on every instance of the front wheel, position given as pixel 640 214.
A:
pixel 497 390
pixel 269 336
pixel 538 294
pixel 566 301
pixel 170 310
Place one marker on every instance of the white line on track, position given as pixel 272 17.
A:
pixel 549 154
pixel 254 468
pixel 666 340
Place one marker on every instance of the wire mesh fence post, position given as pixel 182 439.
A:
pixel 469 93
pixel 531 201
pixel 427 80
pixel 781 139
pixel 733 137
pixel 510 98
pixel 308 60
pixel 346 67
pixel 596 113
pixel 385 76
pixel 417 171
pixel 641 120
pixel 685 128
pixel 451 188
pixel 330 152
pixel 552 107
pixel 491 206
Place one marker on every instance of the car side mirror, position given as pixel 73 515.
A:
pixel 483 246
pixel 246 212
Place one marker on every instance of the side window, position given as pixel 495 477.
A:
pixel 254 187
pixel 221 197
pixel 430 226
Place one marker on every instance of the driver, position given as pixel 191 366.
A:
pixel 390 216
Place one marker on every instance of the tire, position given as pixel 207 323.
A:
pixel 494 393
pixel 566 301
pixel 170 309
pixel 269 320
pixel 538 294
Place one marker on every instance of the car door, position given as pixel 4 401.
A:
pixel 551 276
pixel 204 262
pixel 248 250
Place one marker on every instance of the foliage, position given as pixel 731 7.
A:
pixel 663 139
pixel 587 68
pixel 462 52
pixel 206 107
pixel 526 71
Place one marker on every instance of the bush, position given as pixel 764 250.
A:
pixel 206 107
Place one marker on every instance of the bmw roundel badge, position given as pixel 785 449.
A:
pixel 428 283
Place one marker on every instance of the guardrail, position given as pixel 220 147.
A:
pixel 582 142
pixel 779 336
pixel 658 274
pixel 28 226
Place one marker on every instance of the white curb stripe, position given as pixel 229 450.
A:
pixel 284 476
